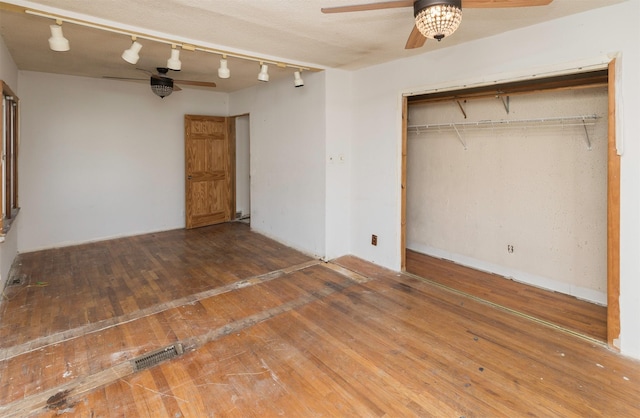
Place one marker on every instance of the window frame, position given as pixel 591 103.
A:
pixel 9 155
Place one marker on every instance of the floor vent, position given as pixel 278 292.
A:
pixel 158 356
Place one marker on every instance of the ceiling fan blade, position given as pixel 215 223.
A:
pixel 176 87
pixel 368 6
pixel 416 39
pixel 195 83
pixel 479 4
pixel 124 78
pixel 152 75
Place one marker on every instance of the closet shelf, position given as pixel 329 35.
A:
pixel 562 121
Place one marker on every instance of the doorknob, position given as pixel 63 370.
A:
pixel 188 177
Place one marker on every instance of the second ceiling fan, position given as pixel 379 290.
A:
pixel 162 85
pixel 434 19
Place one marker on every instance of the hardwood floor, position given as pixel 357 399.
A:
pixel 565 311
pixel 268 331
pixel 101 282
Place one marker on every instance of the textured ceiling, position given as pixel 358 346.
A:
pixel 294 31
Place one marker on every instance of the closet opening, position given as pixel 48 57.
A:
pixel 510 193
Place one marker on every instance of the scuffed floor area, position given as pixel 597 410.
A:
pixel 266 331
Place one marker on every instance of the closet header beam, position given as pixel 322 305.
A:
pixel 572 81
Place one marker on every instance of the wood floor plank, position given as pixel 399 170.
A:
pixel 182 387
pixel 120 399
pixel 172 403
pixel 94 405
pixel 295 373
pixel 146 397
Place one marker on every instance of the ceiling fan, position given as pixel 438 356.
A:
pixel 163 85
pixel 434 19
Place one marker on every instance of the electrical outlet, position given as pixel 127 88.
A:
pixel 510 249
pixel 374 239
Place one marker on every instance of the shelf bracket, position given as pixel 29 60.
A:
pixel 586 134
pixel 460 138
pixel 461 109
pixel 505 103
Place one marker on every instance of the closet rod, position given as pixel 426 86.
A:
pixel 561 121
pixel 582 120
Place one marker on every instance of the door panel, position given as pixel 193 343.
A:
pixel 208 164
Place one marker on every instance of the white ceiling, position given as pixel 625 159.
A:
pixel 294 31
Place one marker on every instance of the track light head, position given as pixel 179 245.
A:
pixel 223 70
pixel 297 79
pixel 264 73
pixel 131 55
pixel 174 63
pixel 58 42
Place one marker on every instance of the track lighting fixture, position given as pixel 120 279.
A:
pixel 58 42
pixel 223 70
pixel 174 63
pixel 131 55
pixel 264 72
pixel 297 79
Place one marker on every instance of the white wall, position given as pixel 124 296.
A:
pixel 563 44
pixel 8 68
pixel 287 160
pixel 8 248
pixel 243 180
pixel 537 187
pixel 339 111
pixel 102 158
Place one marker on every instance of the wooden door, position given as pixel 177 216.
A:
pixel 209 168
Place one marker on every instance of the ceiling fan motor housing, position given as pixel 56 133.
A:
pixel 418 5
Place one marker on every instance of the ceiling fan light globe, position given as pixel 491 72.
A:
pixel 437 19
pixel 161 86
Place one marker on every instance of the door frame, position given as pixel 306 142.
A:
pixel 613 219
pixel 234 161
pixel 613 209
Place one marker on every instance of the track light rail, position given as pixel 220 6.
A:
pixel 173 42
